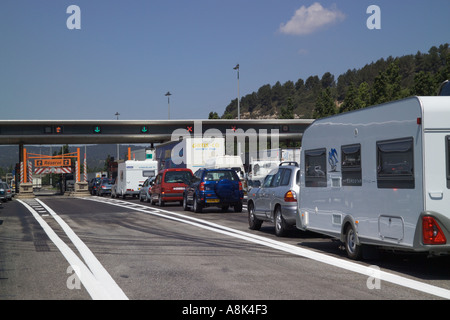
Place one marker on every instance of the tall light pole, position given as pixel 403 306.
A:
pixel 239 109
pixel 117 114
pixel 239 96
pixel 168 94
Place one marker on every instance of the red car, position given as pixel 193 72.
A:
pixel 169 185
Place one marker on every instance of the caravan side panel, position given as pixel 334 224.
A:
pixel 345 174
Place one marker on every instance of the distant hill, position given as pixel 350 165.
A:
pixel 377 82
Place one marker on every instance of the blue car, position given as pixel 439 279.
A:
pixel 214 188
pixel 104 186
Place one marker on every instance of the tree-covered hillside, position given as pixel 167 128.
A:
pixel 378 82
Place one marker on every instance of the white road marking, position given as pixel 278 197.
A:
pixel 337 262
pixel 95 279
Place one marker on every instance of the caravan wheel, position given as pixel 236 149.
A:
pixel 354 250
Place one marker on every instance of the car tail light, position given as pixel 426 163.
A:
pixel 201 187
pixel 290 196
pixel 240 186
pixel 432 233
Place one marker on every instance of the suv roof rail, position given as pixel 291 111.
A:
pixel 289 163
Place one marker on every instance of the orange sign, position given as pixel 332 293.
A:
pixel 52 163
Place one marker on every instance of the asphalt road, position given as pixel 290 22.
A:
pixel 58 248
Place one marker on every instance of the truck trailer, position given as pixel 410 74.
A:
pixel 380 176
pixel 190 153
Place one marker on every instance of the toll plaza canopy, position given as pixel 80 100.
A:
pixel 140 131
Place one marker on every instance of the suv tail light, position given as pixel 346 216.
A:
pixel 201 187
pixel 290 196
pixel 240 186
pixel 432 233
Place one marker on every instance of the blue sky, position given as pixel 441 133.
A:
pixel 128 54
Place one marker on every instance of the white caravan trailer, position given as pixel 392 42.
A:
pixel 380 176
pixel 130 174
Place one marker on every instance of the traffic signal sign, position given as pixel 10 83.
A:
pixel 97 129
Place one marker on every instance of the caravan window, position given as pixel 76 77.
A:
pixel 316 168
pixel 148 173
pixel 351 165
pixel 395 164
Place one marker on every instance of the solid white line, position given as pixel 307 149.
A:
pixel 351 266
pixel 95 288
pixel 94 265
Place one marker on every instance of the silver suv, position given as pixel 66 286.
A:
pixel 276 200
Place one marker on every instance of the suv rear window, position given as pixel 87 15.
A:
pixel 177 177
pixel 218 175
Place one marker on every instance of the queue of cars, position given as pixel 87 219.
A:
pixel 100 186
pixel 274 201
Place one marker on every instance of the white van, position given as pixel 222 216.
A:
pixel 380 176
pixel 130 174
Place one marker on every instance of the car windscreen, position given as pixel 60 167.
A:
pixel 217 175
pixel 177 177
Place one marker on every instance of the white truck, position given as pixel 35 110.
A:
pixel 380 176
pixel 190 153
pixel 226 161
pixel 130 175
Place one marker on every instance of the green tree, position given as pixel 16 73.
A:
pixel 312 83
pixel 393 77
pixel 351 101
pixel 213 115
pixel 327 80
pixel 288 111
pixel 424 84
pixel 387 85
pixel 227 116
pixel 325 105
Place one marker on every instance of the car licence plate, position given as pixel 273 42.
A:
pixel 212 200
pixel 178 188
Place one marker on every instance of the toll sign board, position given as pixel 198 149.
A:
pixel 52 163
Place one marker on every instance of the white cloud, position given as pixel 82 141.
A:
pixel 308 20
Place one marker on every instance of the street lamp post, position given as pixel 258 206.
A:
pixel 168 94
pixel 117 114
pixel 239 96
pixel 239 109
